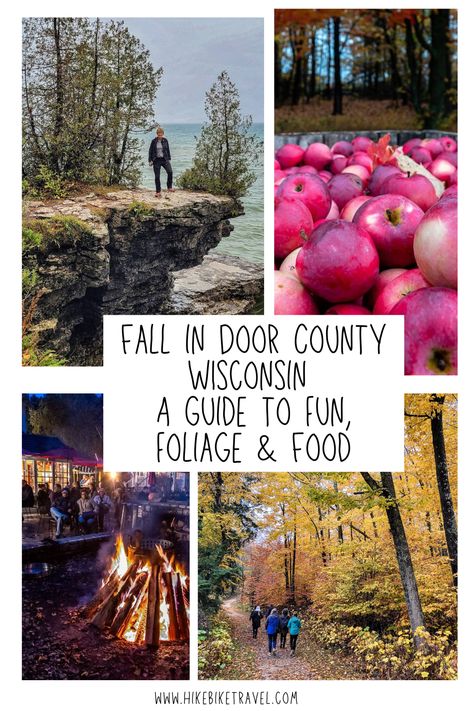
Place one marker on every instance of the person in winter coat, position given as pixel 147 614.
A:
pixel 27 495
pixel 256 618
pixel 272 625
pixel 284 619
pixel 159 156
pixel 294 627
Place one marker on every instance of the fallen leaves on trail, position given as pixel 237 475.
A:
pixel 252 661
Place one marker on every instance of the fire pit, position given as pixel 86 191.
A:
pixel 143 597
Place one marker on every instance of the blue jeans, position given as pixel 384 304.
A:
pixel 60 519
pixel 86 519
pixel 272 641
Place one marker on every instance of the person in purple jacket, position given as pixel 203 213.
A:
pixel 272 625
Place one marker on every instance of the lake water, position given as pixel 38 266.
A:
pixel 246 240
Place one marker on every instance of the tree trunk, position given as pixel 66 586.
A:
pixel 412 66
pixel 59 113
pixel 277 69
pixel 312 81
pixel 402 550
pixel 337 103
pixel 444 488
pixel 439 20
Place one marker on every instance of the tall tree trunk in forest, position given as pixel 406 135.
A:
pixel 277 69
pixel 312 81
pixel 337 103
pixel 293 567
pixel 328 68
pixel 298 75
pixel 59 113
pixel 386 489
pixel 444 488
pixel 439 20
pixel 412 66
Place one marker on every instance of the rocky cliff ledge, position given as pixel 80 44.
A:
pixel 119 253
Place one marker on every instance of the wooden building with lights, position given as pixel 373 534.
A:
pixel 47 460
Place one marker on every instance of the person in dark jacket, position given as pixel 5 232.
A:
pixel 284 618
pixel 272 626
pixel 27 496
pixel 159 156
pixel 62 512
pixel 43 500
pixel 256 618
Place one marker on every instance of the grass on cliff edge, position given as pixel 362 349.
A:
pixel 359 115
pixel 60 230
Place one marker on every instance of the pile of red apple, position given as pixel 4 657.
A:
pixel 356 232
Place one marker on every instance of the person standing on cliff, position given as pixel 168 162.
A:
pixel 159 157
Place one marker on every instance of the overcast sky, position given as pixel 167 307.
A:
pixel 193 52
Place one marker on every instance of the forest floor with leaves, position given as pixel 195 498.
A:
pixel 60 643
pixel 252 661
pixel 359 115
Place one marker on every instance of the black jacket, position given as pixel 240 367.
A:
pixel 152 152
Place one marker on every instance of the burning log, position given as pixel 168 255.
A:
pixel 152 633
pixel 101 594
pixel 173 629
pixel 129 602
pixel 181 607
pixel 107 609
pixel 138 601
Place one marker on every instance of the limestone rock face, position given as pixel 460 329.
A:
pixel 220 285
pixel 120 253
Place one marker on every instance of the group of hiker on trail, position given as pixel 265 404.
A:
pixel 277 624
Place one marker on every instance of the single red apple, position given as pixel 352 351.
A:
pixel 450 156
pixel 345 187
pixel 412 143
pixel 289 155
pixel 361 143
pixel 361 158
pixel 311 190
pixel 318 155
pixel 381 173
pixel 391 221
pixel 442 169
pixel 449 144
pixel 293 225
pixel 421 155
pixel 359 170
pixel 433 145
pixel 416 188
pixel 436 243
pixel 343 147
pixel 396 289
pixel 292 298
pixel 338 164
pixel 339 262
pixel 430 331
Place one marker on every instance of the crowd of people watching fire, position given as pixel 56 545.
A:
pixel 86 506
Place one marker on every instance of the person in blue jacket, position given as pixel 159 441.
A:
pixel 294 627
pixel 272 625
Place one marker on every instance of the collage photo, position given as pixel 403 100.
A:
pixel 163 291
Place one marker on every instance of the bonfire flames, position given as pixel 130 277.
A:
pixel 142 599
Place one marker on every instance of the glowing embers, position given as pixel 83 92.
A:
pixel 143 598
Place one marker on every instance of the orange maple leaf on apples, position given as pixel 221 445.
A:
pixel 381 152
